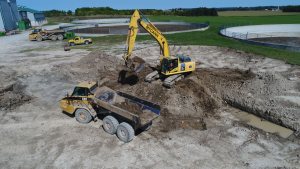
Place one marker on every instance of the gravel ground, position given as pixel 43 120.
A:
pixel 37 135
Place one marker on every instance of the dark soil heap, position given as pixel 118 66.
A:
pixel 12 96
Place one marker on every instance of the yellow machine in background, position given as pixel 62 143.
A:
pixel 39 34
pixel 171 68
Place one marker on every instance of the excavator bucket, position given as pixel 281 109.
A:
pixel 136 64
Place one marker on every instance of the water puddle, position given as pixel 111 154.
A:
pixel 262 124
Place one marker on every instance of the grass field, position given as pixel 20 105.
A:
pixel 211 37
pixel 255 13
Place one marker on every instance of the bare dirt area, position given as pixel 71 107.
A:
pixel 197 127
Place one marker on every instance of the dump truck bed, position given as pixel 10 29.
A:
pixel 55 31
pixel 139 111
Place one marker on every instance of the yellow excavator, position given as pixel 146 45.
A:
pixel 171 68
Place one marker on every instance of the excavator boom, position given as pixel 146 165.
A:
pixel 139 20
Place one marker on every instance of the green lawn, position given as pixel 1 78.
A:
pixel 211 36
pixel 255 13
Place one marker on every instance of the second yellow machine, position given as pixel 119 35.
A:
pixel 171 68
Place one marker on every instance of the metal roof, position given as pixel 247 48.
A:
pixel 22 8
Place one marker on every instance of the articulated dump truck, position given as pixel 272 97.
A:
pixel 122 114
pixel 39 34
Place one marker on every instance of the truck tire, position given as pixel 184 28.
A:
pixel 125 132
pixel 60 37
pixel 83 116
pixel 86 42
pixel 53 37
pixel 39 38
pixel 110 124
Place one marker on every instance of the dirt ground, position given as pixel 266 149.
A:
pixel 197 128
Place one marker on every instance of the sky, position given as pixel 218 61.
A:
pixel 148 4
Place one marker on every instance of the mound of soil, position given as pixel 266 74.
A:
pixel 184 106
pixel 13 96
pixel 130 106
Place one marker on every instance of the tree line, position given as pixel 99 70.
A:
pixel 257 8
pixel 53 13
pixel 111 11
pixel 291 9
pixel 178 11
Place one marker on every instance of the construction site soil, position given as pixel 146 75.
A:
pixel 130 106
pixel 200 123
pixel 13 96
pixel 183 106
pixel 198 96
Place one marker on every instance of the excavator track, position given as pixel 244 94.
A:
pixel 152 76
pixel 170 81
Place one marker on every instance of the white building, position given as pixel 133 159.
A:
pixel 37 18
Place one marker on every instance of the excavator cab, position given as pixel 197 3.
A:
pixel 168 64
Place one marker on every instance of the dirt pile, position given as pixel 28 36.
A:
pixel 184 106
pixel 130 106
pixel 13 96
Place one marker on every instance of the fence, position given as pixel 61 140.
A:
pixel 253 38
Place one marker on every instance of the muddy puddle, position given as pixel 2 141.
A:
pixel 262 124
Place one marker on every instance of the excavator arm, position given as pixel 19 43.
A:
pixel 139 20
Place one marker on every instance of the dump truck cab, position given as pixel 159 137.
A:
pixel 36 30
pixel 34 33
pixel 81 93
pixel 79 41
